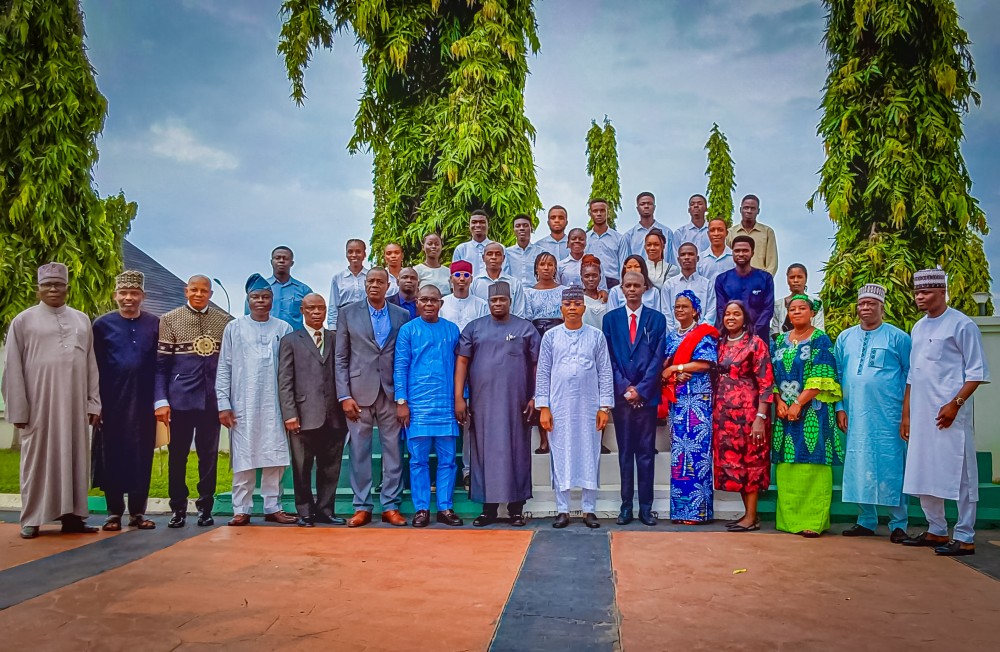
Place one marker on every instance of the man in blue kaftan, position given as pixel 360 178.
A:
pixel 874 359
pixel 424 378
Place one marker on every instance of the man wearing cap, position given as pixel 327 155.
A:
pixel 874 359
pixel 574 389
pixel 461 307
pixel 947 364
pixel 424 378
pixel 50 388
pixel 497 356
pixel 247 391
pixel 125 347
pixel 187 358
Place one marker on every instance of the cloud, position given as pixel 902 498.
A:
pixel 175 141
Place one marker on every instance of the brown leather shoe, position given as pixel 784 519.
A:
pixel 281 517
pixel 360 518
pixel 239 520
pixel 926 540
pixel 393 517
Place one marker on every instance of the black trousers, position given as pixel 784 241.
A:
pixel 139 495
pixel 635 431
pixel 491 509
pixel 325 447
pixel 202 427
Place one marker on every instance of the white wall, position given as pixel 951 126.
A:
pixel 987 398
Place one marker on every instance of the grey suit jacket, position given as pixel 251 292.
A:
pixel 306 386
pixel 362 367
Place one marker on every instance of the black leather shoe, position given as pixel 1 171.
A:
pixel 177 520
pixel 591 521
pixel 517 520
pixel 307 521
pixel 483 520
pixel 562 520
pixel 205 518
pixel 337 520
pixel 625 516
pixel 449 517
pixel 898 535
pixel 422 518
pixel 955 549
pixel 646 517
pixel 858 531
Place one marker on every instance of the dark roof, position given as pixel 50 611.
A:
pixel 164 290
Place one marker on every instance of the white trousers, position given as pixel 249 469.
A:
pixel 270 489
pixel 934 511
pixel 589 502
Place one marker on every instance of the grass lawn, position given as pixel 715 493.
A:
pixel 10 474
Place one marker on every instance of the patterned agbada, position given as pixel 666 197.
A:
pixel 691 496
pixel 744 380
pixel 804 450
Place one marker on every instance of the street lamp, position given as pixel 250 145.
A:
pixel 219 283
pixel 981 299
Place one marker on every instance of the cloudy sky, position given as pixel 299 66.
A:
pixel 224 166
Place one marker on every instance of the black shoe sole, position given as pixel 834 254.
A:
pixel 176 525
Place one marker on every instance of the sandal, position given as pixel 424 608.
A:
pixel 753 527
pixel 112 524
pixel 141 522
pixel 809 534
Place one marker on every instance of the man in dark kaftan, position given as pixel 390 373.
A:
pixel 125 345
pixel 497 354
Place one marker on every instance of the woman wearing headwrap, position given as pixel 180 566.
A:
pixel 650 298
pixel 807 441
pixel 691 355
pixel 744 391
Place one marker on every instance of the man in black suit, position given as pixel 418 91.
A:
pixel 366 345
pixel 312 413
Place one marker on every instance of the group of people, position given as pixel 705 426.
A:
pixel 568 334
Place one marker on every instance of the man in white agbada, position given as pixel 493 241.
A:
pixel 247 389
pixel 50 388
pixel 874 359
pixel 947 364
pixel 574 389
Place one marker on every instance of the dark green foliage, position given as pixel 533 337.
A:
pixel 441 111
pixel 50 115
pixel 602 166
pixel 721 177
pixel 894 181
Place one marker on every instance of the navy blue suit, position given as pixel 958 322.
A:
pixel 636 364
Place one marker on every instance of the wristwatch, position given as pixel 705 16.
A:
pixel 959 401
pixel 400 401
pixel 762 416
pixel 680 368
pixel 605 409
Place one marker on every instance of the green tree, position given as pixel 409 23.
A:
pixel 721 177
pixel 441 111
pixel 894 181
pixel 602 166
pixel 50 115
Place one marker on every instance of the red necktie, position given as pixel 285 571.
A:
pixel 632 327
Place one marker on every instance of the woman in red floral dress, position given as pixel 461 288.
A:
pixel 743 395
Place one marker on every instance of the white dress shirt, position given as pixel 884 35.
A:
pixel 345 288
pixel 702 288
pixel 710 265
pixel 522 262
pixel 481 288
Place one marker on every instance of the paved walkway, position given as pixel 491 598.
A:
pixel 498 588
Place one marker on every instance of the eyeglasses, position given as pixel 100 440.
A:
pixel 427 300
pixel 462 274
pixel 56 285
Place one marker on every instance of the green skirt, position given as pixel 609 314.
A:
pixel 804 495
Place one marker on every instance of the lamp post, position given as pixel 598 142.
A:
pixel 228 304
pixel 981 299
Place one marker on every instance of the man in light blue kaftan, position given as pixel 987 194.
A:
pixel 874 359
pixel 424 378
pixel 246 387
pixel 574 384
